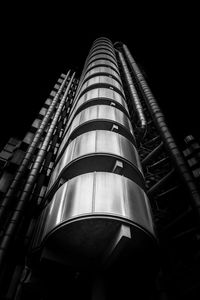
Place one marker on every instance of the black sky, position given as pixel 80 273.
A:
pixel 38 43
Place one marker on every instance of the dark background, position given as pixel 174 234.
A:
pixel 38 43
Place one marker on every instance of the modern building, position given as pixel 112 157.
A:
pixel 98 201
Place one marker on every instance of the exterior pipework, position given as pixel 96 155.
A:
pixel 18 212
pixel 29 154
pixel 133 93
pixel 168 139
pixel 97 186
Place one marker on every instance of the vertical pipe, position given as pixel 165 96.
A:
pixel 29 154
pixel 168 140
pixel 133 93
pixel 18 212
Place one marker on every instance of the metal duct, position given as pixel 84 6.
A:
pixel 133 94
pixel 29 154
pixel 168 139
pixel 18 211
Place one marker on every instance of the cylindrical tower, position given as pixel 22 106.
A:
pixel 96 206
pixel 75 193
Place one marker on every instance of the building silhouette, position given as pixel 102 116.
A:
pixel 97 200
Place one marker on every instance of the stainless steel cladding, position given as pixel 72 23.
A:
pixel 97 151
pixel 98 117
pixel 102 56
pixel 102 62
pixel 97 186
pixel 102 52
pixel 100 95
pixel 86 212
pixel 102 49
pixel 102 70
pixel 103 81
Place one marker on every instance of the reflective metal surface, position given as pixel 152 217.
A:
pixel 102 62
pixel 103 112
pixel 100 113
pixel 102 56
pixel 134 96
pixel 99 52
pixel 102 38
pixel 100 95
pixel 107 48
pixel 109 144
pixel 102 43
pixel 96 194
pixel 106 70
pixel 102 80
pixel 101 198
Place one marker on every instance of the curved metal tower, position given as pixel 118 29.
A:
pixel 89 206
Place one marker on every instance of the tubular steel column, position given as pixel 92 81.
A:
pixel 133 93
pixel 30 152
pixel 165 133
pixel 18 212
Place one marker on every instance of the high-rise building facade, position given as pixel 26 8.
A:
pixel 97 200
